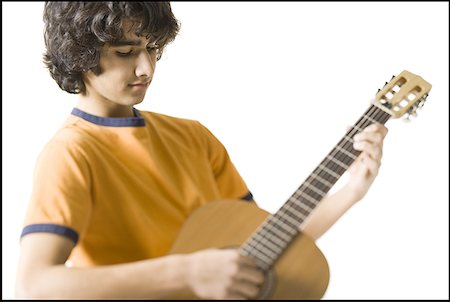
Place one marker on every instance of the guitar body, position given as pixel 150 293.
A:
pixel 300 273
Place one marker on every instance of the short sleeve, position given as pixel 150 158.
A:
pixel 228 179
pixel 61 200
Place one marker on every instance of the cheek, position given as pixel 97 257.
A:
pixel 111 82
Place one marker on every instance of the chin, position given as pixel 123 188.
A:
pixel 133 101
pixel 138 101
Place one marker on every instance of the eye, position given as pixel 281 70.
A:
pixel 124 54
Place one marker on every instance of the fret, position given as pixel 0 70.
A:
pixel 291 219
pixel 285 226
pixel 270 250
pixel 310 193
pixel 277 232
pixel 289 222
pixel 273 239
pixel 357 128
pixel 322 180
pixel 338 162
pixel 351 155
pixel 332 173
pixel 369 119
pixel 344 157
pixel 314 188
pixel 298 215
pixel 257 253
pixel 349 139
pixel 300 207
pixel 278 227
pixel 264 249
pixel 281 237
pixel 318 184
pixel 308 198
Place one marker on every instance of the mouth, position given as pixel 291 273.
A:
pixel 141 85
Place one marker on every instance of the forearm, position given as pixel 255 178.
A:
pixel 147 279
pixel 327 212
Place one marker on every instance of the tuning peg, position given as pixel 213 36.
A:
pixel 412 112
pixel 422 100
pixel 393 77
pixel 408 116
pixel 420 103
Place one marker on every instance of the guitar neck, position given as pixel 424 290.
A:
pixel 269 241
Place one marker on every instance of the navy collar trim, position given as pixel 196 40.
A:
pixel 136 121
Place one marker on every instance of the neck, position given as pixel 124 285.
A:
pixel 104 108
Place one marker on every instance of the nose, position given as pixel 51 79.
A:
pixel 145 65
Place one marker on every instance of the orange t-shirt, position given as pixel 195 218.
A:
pixel 121 188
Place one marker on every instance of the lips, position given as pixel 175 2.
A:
pixel 140 84
pixel 139 87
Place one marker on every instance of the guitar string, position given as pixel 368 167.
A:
pixel 263 239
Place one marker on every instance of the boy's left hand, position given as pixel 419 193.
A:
pixel 365 168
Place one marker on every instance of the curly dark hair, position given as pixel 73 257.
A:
pixel 74 32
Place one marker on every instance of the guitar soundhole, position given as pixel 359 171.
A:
pixel 268 286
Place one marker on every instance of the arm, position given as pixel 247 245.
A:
pixel 363 172
pixel 42 273
pixel 209 274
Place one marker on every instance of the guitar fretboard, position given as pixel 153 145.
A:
pixel 272 238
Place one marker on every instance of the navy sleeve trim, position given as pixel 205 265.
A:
pixel 51 228
pixel 248 197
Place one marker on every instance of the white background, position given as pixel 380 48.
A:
pixel 278 83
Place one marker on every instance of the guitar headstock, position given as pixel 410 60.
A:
pixel 405 93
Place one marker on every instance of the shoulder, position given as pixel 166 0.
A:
pixel 176 126
pixel 70 139
pixel 167 121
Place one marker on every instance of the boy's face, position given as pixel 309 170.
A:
pixel 126 71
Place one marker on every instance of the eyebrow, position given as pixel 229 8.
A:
pixel 125 42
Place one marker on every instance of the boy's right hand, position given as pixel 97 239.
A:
pixel 223 274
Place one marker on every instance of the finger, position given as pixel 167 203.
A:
pixel 251 275
pixel 370 164
pixel 372 137
pixel 244 289
pixel 247 260
pixel 374 151
pixel 377 127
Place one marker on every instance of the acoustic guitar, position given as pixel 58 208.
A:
pixel 293 265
